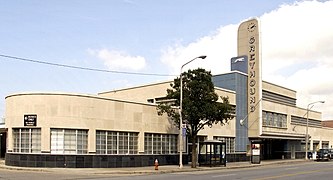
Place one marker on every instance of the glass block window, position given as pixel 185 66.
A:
pixel 69 141
pixel 160 143
pixel 270 119
pixel 101 142
pixel 35 140
pixel 111 142
pixel 27 140
pixel 57 141
pixel 229 141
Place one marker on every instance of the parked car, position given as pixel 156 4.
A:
pixel 324 154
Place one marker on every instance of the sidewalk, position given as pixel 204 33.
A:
pixel 150 169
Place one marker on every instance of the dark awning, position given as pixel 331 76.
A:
pixel 274 135
pixel 282 137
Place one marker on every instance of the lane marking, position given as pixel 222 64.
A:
pixel 223 175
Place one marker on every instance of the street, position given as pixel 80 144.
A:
pixel 304 171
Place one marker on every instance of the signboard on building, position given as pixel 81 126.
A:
pixel 30 120
pixel 249 45
pixel 239 64
pixel 256 149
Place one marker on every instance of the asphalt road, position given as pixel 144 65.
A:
pixel 304 171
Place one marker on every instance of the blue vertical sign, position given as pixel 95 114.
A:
pixel 184 137
pixel 184 131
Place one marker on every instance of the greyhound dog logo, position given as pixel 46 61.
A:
pixel 241 59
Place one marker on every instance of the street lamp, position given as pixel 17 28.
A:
pixel 307 127
pixel 180 112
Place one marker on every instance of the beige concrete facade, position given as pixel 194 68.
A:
pixel 90 112
pixel 74 111
pixel 155 91
pixel 140 93
pixel 318 134
pixel 278 89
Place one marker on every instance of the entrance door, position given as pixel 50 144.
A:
pixel 3 144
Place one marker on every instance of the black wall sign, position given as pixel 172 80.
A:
pixel 30 120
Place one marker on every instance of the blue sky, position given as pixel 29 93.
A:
pixel 149 36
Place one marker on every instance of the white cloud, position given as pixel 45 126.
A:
pixel 119 60
pixel 218 47
pixel 299 33
pixel 297 51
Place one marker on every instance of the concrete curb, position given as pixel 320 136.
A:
pixel 150 169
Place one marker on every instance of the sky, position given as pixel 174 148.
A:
pixel 155 38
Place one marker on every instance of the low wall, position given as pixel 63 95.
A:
pixel 101 161
pixel 237 157
pixel 88 161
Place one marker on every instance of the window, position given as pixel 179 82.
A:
pixel 111 142
pixel 325 145
pixel 69 141
pixel 82 142
pixel 295 120
pixel 27 140
pixel 270 119
pixel 101 142
pixel 160 143
pixel 229 142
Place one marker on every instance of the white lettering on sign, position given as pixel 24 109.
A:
pixel 252 72
pixel 30 120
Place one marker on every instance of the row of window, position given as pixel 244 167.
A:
pixel 72 141
pixel 69 141
pixel 110 142
pixel 296 120
pixel 271 119
pixel 27 140
pixel 160 143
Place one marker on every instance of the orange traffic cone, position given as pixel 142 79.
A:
pixel 156 164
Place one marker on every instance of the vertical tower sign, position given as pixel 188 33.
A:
pixel 249 45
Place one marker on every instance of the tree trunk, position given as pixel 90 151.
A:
pixel 194 151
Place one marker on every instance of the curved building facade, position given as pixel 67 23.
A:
pixel 74 130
